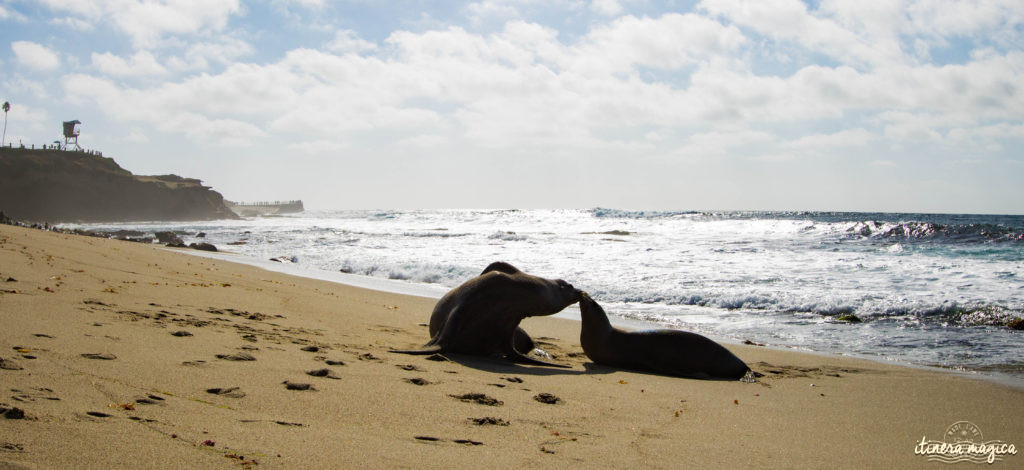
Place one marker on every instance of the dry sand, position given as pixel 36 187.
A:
pixel 91 359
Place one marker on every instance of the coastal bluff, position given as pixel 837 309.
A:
pixel 67 186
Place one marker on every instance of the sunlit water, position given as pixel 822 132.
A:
pixel 931 289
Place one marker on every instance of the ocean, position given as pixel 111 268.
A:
pixel 931 289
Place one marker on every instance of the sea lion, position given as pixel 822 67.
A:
pixel 669 352
pixel 481 316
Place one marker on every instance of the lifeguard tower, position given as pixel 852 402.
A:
pixel 71 131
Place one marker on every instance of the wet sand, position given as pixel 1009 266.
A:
pixel 123 355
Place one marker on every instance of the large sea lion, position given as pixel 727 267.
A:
pixel 481 316
pixel 669 352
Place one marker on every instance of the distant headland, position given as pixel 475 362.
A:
pixel 263 209
pixel 54 185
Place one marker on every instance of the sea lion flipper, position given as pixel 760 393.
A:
pixel 512 354
pixel 427 349
pixel 518 357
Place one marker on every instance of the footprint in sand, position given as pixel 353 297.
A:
pixel 418 381
pixel 230 392
pixel 478 398
pixel 298 386
pixel 101 356
pixel 547 398
pixel 488 420
pixel 7 364
pixel 241 356
pixel 328 373
pixel 148 399
pixel 438 439
pixel 11 412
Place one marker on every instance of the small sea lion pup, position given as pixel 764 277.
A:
pixel 481 316
pixel 669 352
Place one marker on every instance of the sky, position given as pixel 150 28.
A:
pixel 859 105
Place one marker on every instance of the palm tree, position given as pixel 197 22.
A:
pixel 7 107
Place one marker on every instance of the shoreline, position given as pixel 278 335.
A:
pixel 110 382
pixel 571 313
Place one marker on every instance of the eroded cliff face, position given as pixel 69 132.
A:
pixel 57 186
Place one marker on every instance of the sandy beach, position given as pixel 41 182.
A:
pixel 123 355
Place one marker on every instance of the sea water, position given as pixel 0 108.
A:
pixel 933 290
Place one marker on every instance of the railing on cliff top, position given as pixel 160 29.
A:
pixel 10 145
pixel 264 203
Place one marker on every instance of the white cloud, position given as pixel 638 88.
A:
pixel 142 63
pixel 715 143
pixel 305 3
pixel 631 84
pixel 964 17
pixel 667 42
pixel 14 15
pixel 35 56
pixel 424 141
pixel 73 23
pixel 346 40
pixel 167 109
pixel 222 50
pixel 319 147
pixel 147 21
pixel 136 136
pixel 607 7
pixel 790 21
pixel 842 139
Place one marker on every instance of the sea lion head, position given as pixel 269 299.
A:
pixel 568 293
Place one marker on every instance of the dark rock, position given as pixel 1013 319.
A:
pixel 202 246
pixel 201 235
pixel 547 398
pixel 181 333
pixel 168 238
pixel 849 318
pixel 1016 324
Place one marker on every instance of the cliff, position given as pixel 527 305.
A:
pixel 58 186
